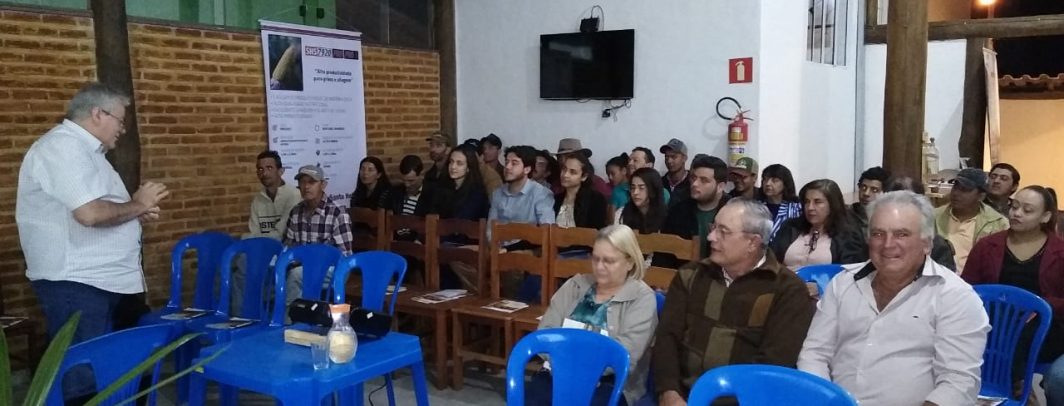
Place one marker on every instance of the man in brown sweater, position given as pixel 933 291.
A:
pixel 739 306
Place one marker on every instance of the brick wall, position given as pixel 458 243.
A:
pixel 201 111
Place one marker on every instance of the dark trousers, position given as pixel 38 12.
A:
pixel 539 391
pixel 60 300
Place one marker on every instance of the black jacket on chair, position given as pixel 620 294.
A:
pixel 589 208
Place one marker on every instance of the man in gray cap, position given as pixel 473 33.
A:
pixel 966 219
pixel 315 220
pixel 676 179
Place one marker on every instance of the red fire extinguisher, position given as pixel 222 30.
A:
pixel 738 131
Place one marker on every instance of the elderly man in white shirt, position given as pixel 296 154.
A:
pixel 900 330
pixel 79 228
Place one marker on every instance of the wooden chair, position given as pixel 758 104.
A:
pixel 439 313
pixel 499 323
pixel 683 249
pixel 475 254
pixel 423 249
pixel 561 269
pixel 376 221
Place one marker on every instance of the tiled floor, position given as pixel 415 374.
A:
pixel 479 390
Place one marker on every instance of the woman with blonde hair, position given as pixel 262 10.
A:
pixel 613 300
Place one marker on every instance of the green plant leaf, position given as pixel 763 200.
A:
pixel 5 371
pixel 176 376
pixel 140 369
pixel 49 365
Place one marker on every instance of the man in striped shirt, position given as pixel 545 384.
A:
pixel 315 220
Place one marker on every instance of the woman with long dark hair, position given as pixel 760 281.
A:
pixel 461 194
pixel 823 233
pixel 371 192
pixel 578 205
pixel 778 191
pixel 1029 255
pixel 645 211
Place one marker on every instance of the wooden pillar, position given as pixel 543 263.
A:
pixel 973 121
pixel 445 40
pixel 903 107
pixel 113 69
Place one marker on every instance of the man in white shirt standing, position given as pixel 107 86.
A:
pixel 900 330
pixel 79 228
pixel 269 212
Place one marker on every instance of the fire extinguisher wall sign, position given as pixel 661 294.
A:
pixel 741 70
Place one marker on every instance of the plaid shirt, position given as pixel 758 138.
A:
pixel 328 224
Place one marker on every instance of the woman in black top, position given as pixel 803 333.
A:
pixel 578 205
pixel 824 224
pixel 645 211
pixel 372 189
pixel 461 194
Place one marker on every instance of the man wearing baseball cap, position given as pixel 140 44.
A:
pixel 675 179
pixel 743 176
pixel 439 151
pixel 966 219
pixel 315 220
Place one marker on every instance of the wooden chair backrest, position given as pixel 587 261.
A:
pixel 423 249
pixel 523 261
pixel 445 253
pixel 683 249
pixel 376 220
pixel 564 268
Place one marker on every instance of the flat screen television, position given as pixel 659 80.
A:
pixel 596 65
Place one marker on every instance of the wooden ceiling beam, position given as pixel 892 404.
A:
pixel 1009 27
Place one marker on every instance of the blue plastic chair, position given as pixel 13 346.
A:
pixel 578 359
pixel 819 274
pixel 1009 309
pixel 767 385
pixel 379 269
pixel 659 297
pixel 209 246
pixel 258 254
pixel 111 356
pixel 316 260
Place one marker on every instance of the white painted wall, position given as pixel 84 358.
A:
pixel 944 100
pixel 681 49
pixel 1032 140
pixel 807 109
pixel 804 112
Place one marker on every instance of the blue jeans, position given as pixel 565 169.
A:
pixel 1053 381
pixel 60 300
